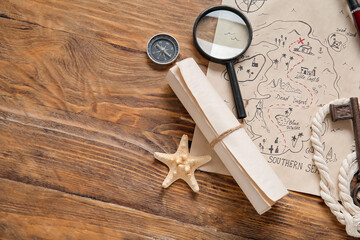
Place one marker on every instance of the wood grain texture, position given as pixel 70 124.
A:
pixel 82 109
pixel 29 211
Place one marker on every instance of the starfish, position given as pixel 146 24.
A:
pixel 182 165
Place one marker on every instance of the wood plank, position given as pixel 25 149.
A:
pixel 43 71
pixel 33 212
pixel 123 171
pixel 128 24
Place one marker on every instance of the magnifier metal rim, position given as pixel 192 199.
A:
pixel 216 8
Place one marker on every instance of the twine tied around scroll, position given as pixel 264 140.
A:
pixel 224 135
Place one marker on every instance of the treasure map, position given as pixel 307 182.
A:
pixel 303 55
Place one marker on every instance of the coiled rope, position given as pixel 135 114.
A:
pixel 346 212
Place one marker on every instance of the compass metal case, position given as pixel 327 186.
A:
pixel 163 49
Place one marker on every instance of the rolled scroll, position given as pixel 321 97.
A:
pixel 234 147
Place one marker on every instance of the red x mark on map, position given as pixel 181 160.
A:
pixel 301 40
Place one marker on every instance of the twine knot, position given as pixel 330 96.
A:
pixel 224 135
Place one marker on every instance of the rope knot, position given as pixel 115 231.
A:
pixel 224 135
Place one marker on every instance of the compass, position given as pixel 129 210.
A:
pixel 163 48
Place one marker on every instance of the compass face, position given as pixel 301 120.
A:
pixel 163 49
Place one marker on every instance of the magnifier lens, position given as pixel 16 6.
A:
pixel 222 34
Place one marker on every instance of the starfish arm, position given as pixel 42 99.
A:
pixel 183 145
pixel 200 160
pixel 170 178
pixel 164 157
pixel 191 181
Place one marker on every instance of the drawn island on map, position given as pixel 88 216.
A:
pixel 286 75
pixel 293 66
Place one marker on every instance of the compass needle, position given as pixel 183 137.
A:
pixel 158 46
pixel 167 54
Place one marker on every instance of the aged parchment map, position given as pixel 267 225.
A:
pixel 303 55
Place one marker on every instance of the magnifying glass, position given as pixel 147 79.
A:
pixel 222 34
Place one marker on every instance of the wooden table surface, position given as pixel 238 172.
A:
pixel 83 109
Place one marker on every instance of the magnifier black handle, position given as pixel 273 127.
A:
pixel 239 104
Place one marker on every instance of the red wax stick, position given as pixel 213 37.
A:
pixel 356 17
pixel 355 10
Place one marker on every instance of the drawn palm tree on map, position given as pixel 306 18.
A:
pixel 276 63
pixel 282 56
pixel 249 72
pixel 287 64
